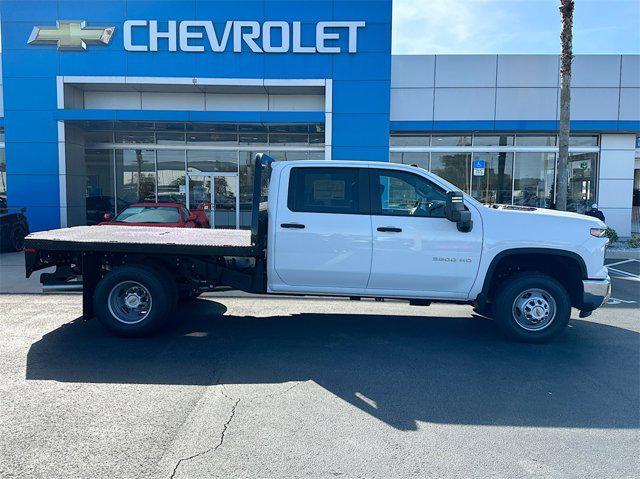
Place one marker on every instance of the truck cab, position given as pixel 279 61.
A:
pixel 355 229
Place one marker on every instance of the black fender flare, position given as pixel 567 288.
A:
pixel 488 278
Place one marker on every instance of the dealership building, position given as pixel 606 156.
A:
pixel 107 103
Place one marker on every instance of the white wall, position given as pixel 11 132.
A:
pixel 512 87
pixel 615 182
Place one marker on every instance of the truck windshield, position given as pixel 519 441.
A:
pixel 149 214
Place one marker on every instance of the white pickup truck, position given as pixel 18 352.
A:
pixel 344 228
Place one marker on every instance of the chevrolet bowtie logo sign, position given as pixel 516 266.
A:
pixel 71 35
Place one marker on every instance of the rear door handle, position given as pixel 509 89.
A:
pixel 389 229
pixel 292 225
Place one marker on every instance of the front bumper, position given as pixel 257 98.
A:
pixel 596 293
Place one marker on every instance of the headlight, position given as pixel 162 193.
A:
pixel 597 232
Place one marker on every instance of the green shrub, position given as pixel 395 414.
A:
pixel 634 241
pixel 611 234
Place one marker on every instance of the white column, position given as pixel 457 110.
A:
pixel 615 182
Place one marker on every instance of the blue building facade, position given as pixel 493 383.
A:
pixel 353 79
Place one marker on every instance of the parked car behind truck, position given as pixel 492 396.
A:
pixel 353 229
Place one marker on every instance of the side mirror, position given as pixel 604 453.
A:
pixel 455 211
pixel 192 217
pixel 108 216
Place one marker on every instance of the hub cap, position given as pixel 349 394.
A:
pixel 534 309
pixel 129 302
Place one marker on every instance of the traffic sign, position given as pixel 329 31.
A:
pixel 478 167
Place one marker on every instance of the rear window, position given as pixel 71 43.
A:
pixel 324 190
pixel 149 214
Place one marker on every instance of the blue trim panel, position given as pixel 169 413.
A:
pixel 213 116
pixel 519 125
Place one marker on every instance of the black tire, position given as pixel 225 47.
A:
pixel 16 237
pixel 151 287
pixel 523 304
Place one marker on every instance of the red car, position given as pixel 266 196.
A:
pixel 171 215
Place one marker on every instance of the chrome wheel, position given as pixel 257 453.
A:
pixel 129 302
pixel 534 309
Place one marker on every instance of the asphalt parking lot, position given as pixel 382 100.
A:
pixel 252 387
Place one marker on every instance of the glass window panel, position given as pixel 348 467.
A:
pixel 316 155
pixel 324 190
pixel 253 138
pixel 289 155
pixel 252 128
pixel 288 127
pixel 535 140
pixel 583 140
pixel 171 176
pixel 533 179
pixel 164 126
pixel 99 194
pixel 495 186
pixel 288 139
pixel 582 181
pixel 135 137
pixel 418 159
pixel 169 138
pixel 135 175
pixel 212 138
pixel 98 137
pixel 453 167
pixel 213 127
pixel 400 193
pixel 493 140
pixel 409 139
pixel 1 136
pixel 316 138
pixel 451 140
pixel 134 125
pixel 212 160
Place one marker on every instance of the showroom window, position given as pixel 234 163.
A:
pixel 516 168
pixel 131 161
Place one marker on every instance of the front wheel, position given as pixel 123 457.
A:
pixel 133 300
pixel 532 307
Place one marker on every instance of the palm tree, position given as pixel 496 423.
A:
pixel 566 40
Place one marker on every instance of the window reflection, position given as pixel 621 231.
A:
pixel 494 186
pixel 212 160
pixel 453 167
pixel 533 179
pixel 582 181
pixel 135 175
pixel 171 176
pixel 99 195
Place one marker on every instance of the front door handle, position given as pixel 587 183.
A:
pixel 292 225
pixel 389 229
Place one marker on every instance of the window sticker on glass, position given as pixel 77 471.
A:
pixel 327 190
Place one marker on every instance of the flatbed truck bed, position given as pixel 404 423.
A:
pixel 146 240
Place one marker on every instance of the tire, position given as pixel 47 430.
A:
pixel 134 300
pixel 16 237
pixel 532 308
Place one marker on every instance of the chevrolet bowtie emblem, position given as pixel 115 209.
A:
pixel 71 35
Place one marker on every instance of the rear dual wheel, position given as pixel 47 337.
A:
pixel 135 300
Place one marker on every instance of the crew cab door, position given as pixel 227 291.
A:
pixel 416 250
pixel 322 230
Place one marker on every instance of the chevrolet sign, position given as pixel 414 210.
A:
pixel 71 35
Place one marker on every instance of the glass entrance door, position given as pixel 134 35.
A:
pixel 217 195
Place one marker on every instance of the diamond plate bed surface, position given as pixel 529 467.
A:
pixel 147 235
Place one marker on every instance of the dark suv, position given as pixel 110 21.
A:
pixel 13 227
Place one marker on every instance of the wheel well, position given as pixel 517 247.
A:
pixel 565 269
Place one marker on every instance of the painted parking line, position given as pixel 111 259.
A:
pixel 620 301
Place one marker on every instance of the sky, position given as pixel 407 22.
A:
pixel 512 26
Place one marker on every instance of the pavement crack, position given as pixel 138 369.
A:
pixel 223 433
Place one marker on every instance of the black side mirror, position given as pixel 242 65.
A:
pixel 455 211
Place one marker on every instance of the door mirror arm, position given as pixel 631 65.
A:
pixel 456 211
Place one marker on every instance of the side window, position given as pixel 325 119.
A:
pixel 400 193
pixel 324 190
